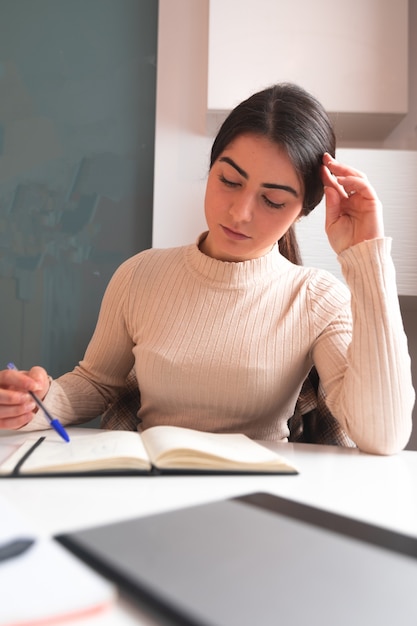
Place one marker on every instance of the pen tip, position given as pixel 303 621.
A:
pixel 60 430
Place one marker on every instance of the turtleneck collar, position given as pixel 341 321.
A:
pixel 234 275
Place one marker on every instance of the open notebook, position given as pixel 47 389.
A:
pixel 161 449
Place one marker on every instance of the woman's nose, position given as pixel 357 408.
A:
pixel 242 208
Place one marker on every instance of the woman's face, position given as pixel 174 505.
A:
pixel 253 195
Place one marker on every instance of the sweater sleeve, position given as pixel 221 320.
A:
pixel 367 377
pixel 87 391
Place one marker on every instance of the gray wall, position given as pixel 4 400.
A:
pixel 77 126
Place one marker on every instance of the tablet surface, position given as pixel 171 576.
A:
pixel 257 560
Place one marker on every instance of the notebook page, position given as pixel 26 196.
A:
pixel 236 448
pixel 85 450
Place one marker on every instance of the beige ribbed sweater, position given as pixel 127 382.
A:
pixel 224 347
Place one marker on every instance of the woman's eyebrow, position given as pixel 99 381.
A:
pixel 284 187
pixel 242 172
pixel 235 165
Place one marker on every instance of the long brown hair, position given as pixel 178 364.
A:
pixel 289 116
pixel 288 246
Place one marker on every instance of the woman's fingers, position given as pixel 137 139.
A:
pixel 353 210
pixel 17 407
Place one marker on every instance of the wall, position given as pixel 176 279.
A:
pixel 182 141
pixel 77 119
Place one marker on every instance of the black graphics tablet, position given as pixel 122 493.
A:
pixel 257 560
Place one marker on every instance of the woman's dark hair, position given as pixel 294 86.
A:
pixel 292 118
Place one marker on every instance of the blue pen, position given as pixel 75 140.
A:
pixel 56 425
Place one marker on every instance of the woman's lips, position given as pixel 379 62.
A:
pixel 233 234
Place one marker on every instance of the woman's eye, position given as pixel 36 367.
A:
pixel 228 183
pixel 273 205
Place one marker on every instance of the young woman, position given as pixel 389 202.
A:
pixel 222 333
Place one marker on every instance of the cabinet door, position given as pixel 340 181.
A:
pixel 352 56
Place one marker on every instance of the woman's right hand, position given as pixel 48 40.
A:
pixel 17 407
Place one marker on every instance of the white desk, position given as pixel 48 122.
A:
pixel 380 490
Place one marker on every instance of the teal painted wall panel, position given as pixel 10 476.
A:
pixel 77 126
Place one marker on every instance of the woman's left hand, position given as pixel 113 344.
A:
pixel 353 210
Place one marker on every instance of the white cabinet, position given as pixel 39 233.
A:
pixel 352 55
